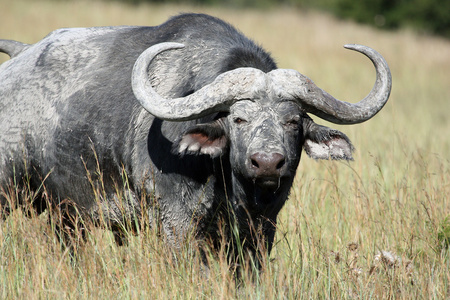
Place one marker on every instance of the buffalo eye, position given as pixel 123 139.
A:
pixel 292 123
pixel 239 121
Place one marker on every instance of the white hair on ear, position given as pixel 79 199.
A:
pixel 213 151
pixel 335 148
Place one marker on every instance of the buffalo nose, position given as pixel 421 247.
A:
pixel 267 164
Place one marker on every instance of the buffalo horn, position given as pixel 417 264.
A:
pixel 219 95
pixel 290 84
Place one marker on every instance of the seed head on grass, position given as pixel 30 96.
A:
pixel 352 246
pixel 336 256
pixel 387 259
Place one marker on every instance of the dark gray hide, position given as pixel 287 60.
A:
pixel 70 94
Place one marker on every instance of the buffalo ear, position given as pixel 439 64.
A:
pixel 209 138
pixel 325 143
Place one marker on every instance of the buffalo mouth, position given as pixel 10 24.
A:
pixel 266 190
pixel 268 183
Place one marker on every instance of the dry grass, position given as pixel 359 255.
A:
pixel 367 229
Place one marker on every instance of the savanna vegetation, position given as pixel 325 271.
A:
pixel 377 227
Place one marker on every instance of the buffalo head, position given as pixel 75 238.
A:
pixel 262 122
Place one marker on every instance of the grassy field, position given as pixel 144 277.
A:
pixel 371 228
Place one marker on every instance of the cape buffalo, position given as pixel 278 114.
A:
pixel 191 116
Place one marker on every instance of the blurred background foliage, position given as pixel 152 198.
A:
pixel 425 16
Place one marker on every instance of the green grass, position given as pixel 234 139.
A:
pixel 372 228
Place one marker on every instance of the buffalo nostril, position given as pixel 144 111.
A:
pixel 281 163
pixel 254 163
